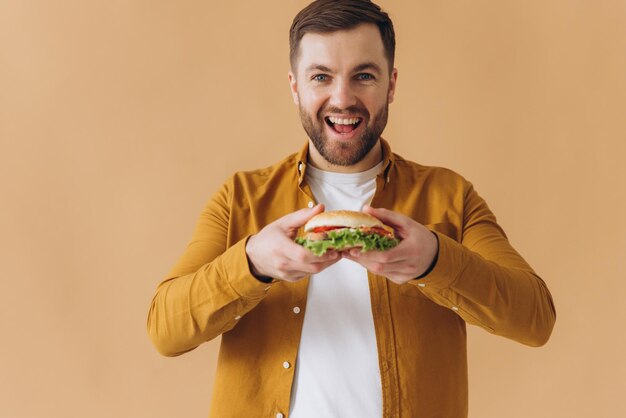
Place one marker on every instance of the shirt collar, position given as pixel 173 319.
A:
pixel 388 161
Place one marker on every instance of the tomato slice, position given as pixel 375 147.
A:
pixel 374 229
pixel 377 230
pixel 326 228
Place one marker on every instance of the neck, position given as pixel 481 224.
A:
pixel 373 157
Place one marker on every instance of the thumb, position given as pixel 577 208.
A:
pixel 388 217
pixel 300 217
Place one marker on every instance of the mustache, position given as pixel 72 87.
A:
pixel 359 110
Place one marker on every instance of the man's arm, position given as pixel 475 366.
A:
pixel 208 290
pixel 212 286
pixel 487 282
pixel 482 278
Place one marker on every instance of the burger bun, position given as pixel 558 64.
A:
pixel 344 218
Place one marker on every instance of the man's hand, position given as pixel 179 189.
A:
pixel 273 253
pixel 410 259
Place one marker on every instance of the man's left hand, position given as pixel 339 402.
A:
pixel 410 259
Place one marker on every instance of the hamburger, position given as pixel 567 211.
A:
pixel 344 229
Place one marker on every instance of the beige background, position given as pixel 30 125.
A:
pixel 118 119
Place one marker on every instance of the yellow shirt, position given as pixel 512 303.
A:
pixel 420 326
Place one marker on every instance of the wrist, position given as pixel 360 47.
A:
pixel 251 267
pixel 433 263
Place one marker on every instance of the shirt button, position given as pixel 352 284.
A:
pixel 310 204
pixel 279 415
pixel 455 308
pixel 286 365
pixel 421 285
pixel 296 310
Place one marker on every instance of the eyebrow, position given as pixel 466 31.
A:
pixel 365 66
pixel 368 66
pixel 317 67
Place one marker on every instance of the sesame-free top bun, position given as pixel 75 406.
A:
pixel 348 218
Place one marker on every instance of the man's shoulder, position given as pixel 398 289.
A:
pixel 427 172
pixel 282 169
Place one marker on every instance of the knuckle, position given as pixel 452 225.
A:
pixel 301 256
pixel 377 267
pixel 316 268
pixel 281 265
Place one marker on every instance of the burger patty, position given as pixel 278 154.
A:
pixel 321 233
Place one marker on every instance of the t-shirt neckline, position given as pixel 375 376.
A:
pixel 344 178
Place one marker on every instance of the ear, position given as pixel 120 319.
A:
pixel 293 84
pixel 392 85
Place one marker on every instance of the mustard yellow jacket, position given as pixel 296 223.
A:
pixel 420 326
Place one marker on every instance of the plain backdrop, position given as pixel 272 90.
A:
pixel 119 119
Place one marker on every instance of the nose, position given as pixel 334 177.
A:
pixel 342 95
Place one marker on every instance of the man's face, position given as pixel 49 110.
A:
pixel 342 87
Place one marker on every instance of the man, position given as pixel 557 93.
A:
pixel 350 334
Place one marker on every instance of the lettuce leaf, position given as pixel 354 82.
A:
pixel 345 238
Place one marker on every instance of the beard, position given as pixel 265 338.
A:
pixel 349 152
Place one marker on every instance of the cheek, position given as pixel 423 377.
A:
pixel 311 101
pixel 376 102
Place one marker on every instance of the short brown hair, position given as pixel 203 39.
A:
pixel 325 16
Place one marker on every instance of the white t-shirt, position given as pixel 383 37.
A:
pixel 337 373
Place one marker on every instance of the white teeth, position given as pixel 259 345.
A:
pixel 339 121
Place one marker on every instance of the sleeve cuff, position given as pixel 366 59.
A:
pixel 235 267
pixel 433 263
pixel 447 267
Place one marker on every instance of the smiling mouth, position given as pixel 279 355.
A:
pixel 343 126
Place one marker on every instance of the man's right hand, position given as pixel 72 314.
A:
pixel 273 253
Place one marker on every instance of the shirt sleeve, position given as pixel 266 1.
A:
pixel 210 288
pixel 487 282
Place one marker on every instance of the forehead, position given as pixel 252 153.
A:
pixel 343 49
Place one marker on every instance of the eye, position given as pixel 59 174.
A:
pixel 319 77
pixel 365 76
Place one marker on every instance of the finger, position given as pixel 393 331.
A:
pixel 287 268
pixel 289 249
pixel 301 255
pixel 401 268
pixel 319 267
pixel 400 279
pixel 388 217
pixel 298 218
pixel 290 276
pixel 398 253
pixel 327 256
pixel 377 266
pixel 305 269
